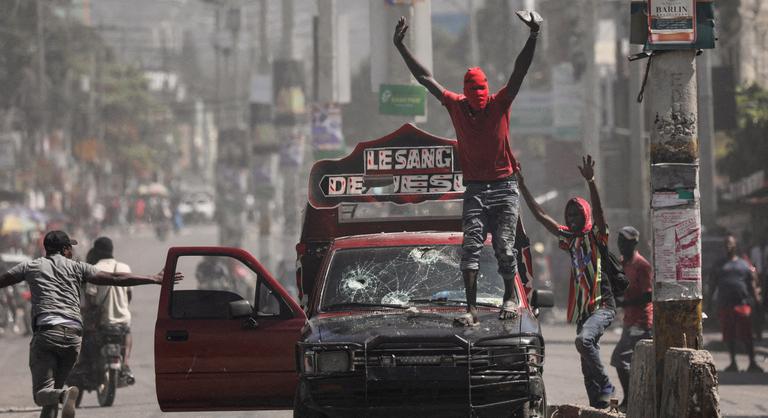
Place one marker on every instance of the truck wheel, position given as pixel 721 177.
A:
pixel 300 409
pixel 533 409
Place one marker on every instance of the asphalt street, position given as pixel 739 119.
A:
pixel 742 394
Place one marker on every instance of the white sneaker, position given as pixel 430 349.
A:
pixel 68 401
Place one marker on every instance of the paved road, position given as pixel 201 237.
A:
pixel 742 394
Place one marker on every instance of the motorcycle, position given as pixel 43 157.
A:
pixel 100 365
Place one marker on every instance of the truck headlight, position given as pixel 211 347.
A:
pixel 310 360
pixel 507 357
pixel 333 361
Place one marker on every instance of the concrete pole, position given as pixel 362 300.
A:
pixel 707 140
pixel 290 185
pixel 474 46
pixel 591 140
pixel 328 83
pixel 41 77
pixel 638 146
pixel 286 40
pixel 677 297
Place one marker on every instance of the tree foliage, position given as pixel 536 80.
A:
pixel 116 107
pixel 747 151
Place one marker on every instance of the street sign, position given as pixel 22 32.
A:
pixel 402 100
pixel 672 21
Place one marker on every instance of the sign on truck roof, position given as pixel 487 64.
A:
pixel 415 166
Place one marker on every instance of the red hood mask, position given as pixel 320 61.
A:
pixel 476 88
pixel 586 210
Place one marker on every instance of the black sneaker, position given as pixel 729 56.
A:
pixel 754 368
pixel 731 368
pixel 69 401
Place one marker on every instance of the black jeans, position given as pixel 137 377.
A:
pixel 52 354
pixel 491 207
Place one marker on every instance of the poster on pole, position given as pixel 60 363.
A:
pixel 327 135
pixel 677 240
pixel 671 21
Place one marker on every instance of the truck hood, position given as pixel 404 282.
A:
pixel 361 326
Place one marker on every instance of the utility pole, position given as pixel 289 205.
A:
pixel 474 46
pixel 591 140
pixel 638 147
pixel 41 76
pixel 675 212
pixel 233 156
pixel 290 112
pixel 706 140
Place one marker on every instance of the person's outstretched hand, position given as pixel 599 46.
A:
pixel 177 277
pixel 587 168
pixel 532 19
pixel 400 30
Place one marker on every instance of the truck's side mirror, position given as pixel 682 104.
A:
pixel 542 299
pixel 240 309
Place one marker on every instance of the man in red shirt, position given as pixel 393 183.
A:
pixel 491 199
pixel 637 304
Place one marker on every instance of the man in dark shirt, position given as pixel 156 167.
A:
pixel 55 282
pixel 491 199
pixel 734 280
pixel 637 304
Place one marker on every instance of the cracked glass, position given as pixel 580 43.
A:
pixel 399 275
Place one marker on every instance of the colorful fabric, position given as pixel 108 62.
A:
pixel 483 136
pixel 589 288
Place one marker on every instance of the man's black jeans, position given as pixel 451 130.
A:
pixel 491 207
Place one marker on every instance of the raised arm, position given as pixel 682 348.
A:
pixel 533 20
pixel 550 224
pixel 128 279
pixel 420 72
pixel 587 170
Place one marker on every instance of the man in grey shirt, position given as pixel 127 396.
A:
pixel 55 282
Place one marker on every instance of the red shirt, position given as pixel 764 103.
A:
pixel 639 274
pixel 484 149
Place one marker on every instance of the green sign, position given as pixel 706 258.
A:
pixel 402 99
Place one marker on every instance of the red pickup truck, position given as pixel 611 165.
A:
pixel 379 285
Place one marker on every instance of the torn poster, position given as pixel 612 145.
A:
pixel 677 242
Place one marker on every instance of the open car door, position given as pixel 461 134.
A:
pixel 225 336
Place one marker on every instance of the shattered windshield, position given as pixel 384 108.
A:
pixel 407 275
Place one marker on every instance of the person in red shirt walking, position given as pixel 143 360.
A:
pixel 491 199
pixel 637 304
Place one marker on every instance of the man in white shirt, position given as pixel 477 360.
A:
pixel 111 301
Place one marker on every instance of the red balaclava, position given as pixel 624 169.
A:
pixel 586 210
pixel 478 98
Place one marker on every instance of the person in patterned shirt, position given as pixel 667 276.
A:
pixel 591 304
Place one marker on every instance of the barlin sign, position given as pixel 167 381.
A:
pixel 671 21
pixel 416 166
